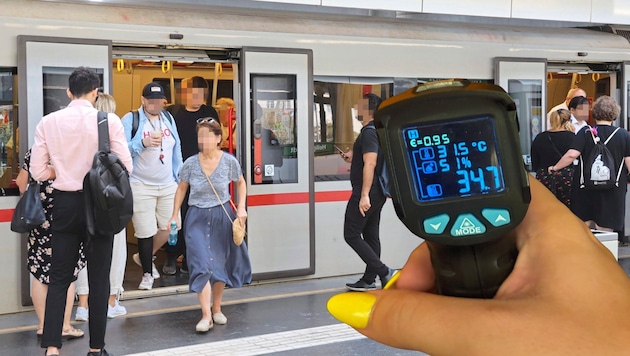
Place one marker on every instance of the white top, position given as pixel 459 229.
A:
pixel 148 168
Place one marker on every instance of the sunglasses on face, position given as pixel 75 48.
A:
pixel 206 119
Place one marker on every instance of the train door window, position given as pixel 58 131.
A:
pixel 9 133
pixel 274 146
pixel 527 96
pixel 335 120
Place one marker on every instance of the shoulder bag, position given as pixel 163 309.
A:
pixel 29 211
pixel 238 228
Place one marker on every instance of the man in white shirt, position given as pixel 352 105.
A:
pixel 572 93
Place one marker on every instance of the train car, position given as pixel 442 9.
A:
pixel 298 75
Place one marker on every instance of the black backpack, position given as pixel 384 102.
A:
pixel 598 171
pixel 106 188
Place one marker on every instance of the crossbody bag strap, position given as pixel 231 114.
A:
pixel 554 146
pixel 217 194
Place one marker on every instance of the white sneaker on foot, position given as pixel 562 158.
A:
pixel 147 282
pixel 116 310
pixel 82 314
pixel 154 272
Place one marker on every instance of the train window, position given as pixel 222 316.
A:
pixel 274 139
pixel 55 85
pixel 335 120
pixel 9 162
pixel 527 95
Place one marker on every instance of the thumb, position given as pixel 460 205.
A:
pixel 420 321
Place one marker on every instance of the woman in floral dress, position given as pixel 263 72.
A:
pixel 40 255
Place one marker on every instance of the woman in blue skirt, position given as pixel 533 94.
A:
pixel 214 260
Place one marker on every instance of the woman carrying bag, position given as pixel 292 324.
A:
pixel 214 260
pixel 548 147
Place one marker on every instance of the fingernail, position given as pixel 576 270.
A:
pixel 352 308
pixel 392 281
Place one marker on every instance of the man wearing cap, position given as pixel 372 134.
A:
pixel 157 157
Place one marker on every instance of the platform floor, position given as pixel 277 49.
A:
pixel 283 318
pixel 280 318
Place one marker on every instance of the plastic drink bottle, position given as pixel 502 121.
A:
pixel 172 237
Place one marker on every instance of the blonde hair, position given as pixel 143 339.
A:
pixel 105 102
pixel 561 120
pixel 224 103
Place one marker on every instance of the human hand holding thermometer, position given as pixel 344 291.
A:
pixel 458 181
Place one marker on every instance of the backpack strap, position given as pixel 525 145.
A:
pixel 103 132
pixel 168 116
pixel 620 164
pixel 611 135
pixel 135 122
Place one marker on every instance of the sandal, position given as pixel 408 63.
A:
pixel 71 333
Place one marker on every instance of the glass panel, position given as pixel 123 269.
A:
pixel 274 139
pixel 55 84
pixel 527 95
pixel 9 133
pixel 335 122
pixel 335 117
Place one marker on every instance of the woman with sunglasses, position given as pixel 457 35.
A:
pixel 214 260
pixel 548 147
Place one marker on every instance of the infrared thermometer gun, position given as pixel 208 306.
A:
pixel 458 180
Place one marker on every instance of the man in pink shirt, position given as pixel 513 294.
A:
pixel 64 148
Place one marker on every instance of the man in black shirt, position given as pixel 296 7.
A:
pixel 363 212
pixel 194 91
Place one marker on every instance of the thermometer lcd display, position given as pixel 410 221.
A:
pixel 454 159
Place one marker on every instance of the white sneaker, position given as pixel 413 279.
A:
pixel 154 272
pixel 116 310
pixel 147 282
pixel 82 314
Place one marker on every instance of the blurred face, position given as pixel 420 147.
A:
pixel 153 106
pixel 581 112
pixel 207 140
pixel 363 112
pixel 193 97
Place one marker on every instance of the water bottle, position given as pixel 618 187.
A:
pixel 172 237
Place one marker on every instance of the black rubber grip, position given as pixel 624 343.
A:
pixel 475 271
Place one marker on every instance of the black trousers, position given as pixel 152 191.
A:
pixel 180 247
pixel 362 233
pixel 68 231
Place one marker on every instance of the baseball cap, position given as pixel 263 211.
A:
pixel 153 91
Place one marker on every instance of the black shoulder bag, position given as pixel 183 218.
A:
pixel 29 211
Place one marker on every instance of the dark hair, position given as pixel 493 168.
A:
pixel 578 100
pixel 374 101
pixel 82 81
pixel 196 82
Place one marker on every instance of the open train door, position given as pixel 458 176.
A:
pixel 44 65
pixel 277 92
pixel 525 80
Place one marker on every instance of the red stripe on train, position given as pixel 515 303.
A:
pixel 257 200
pixel 296 198
pixel 6 215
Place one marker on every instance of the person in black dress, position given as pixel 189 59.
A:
pixel 548 147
